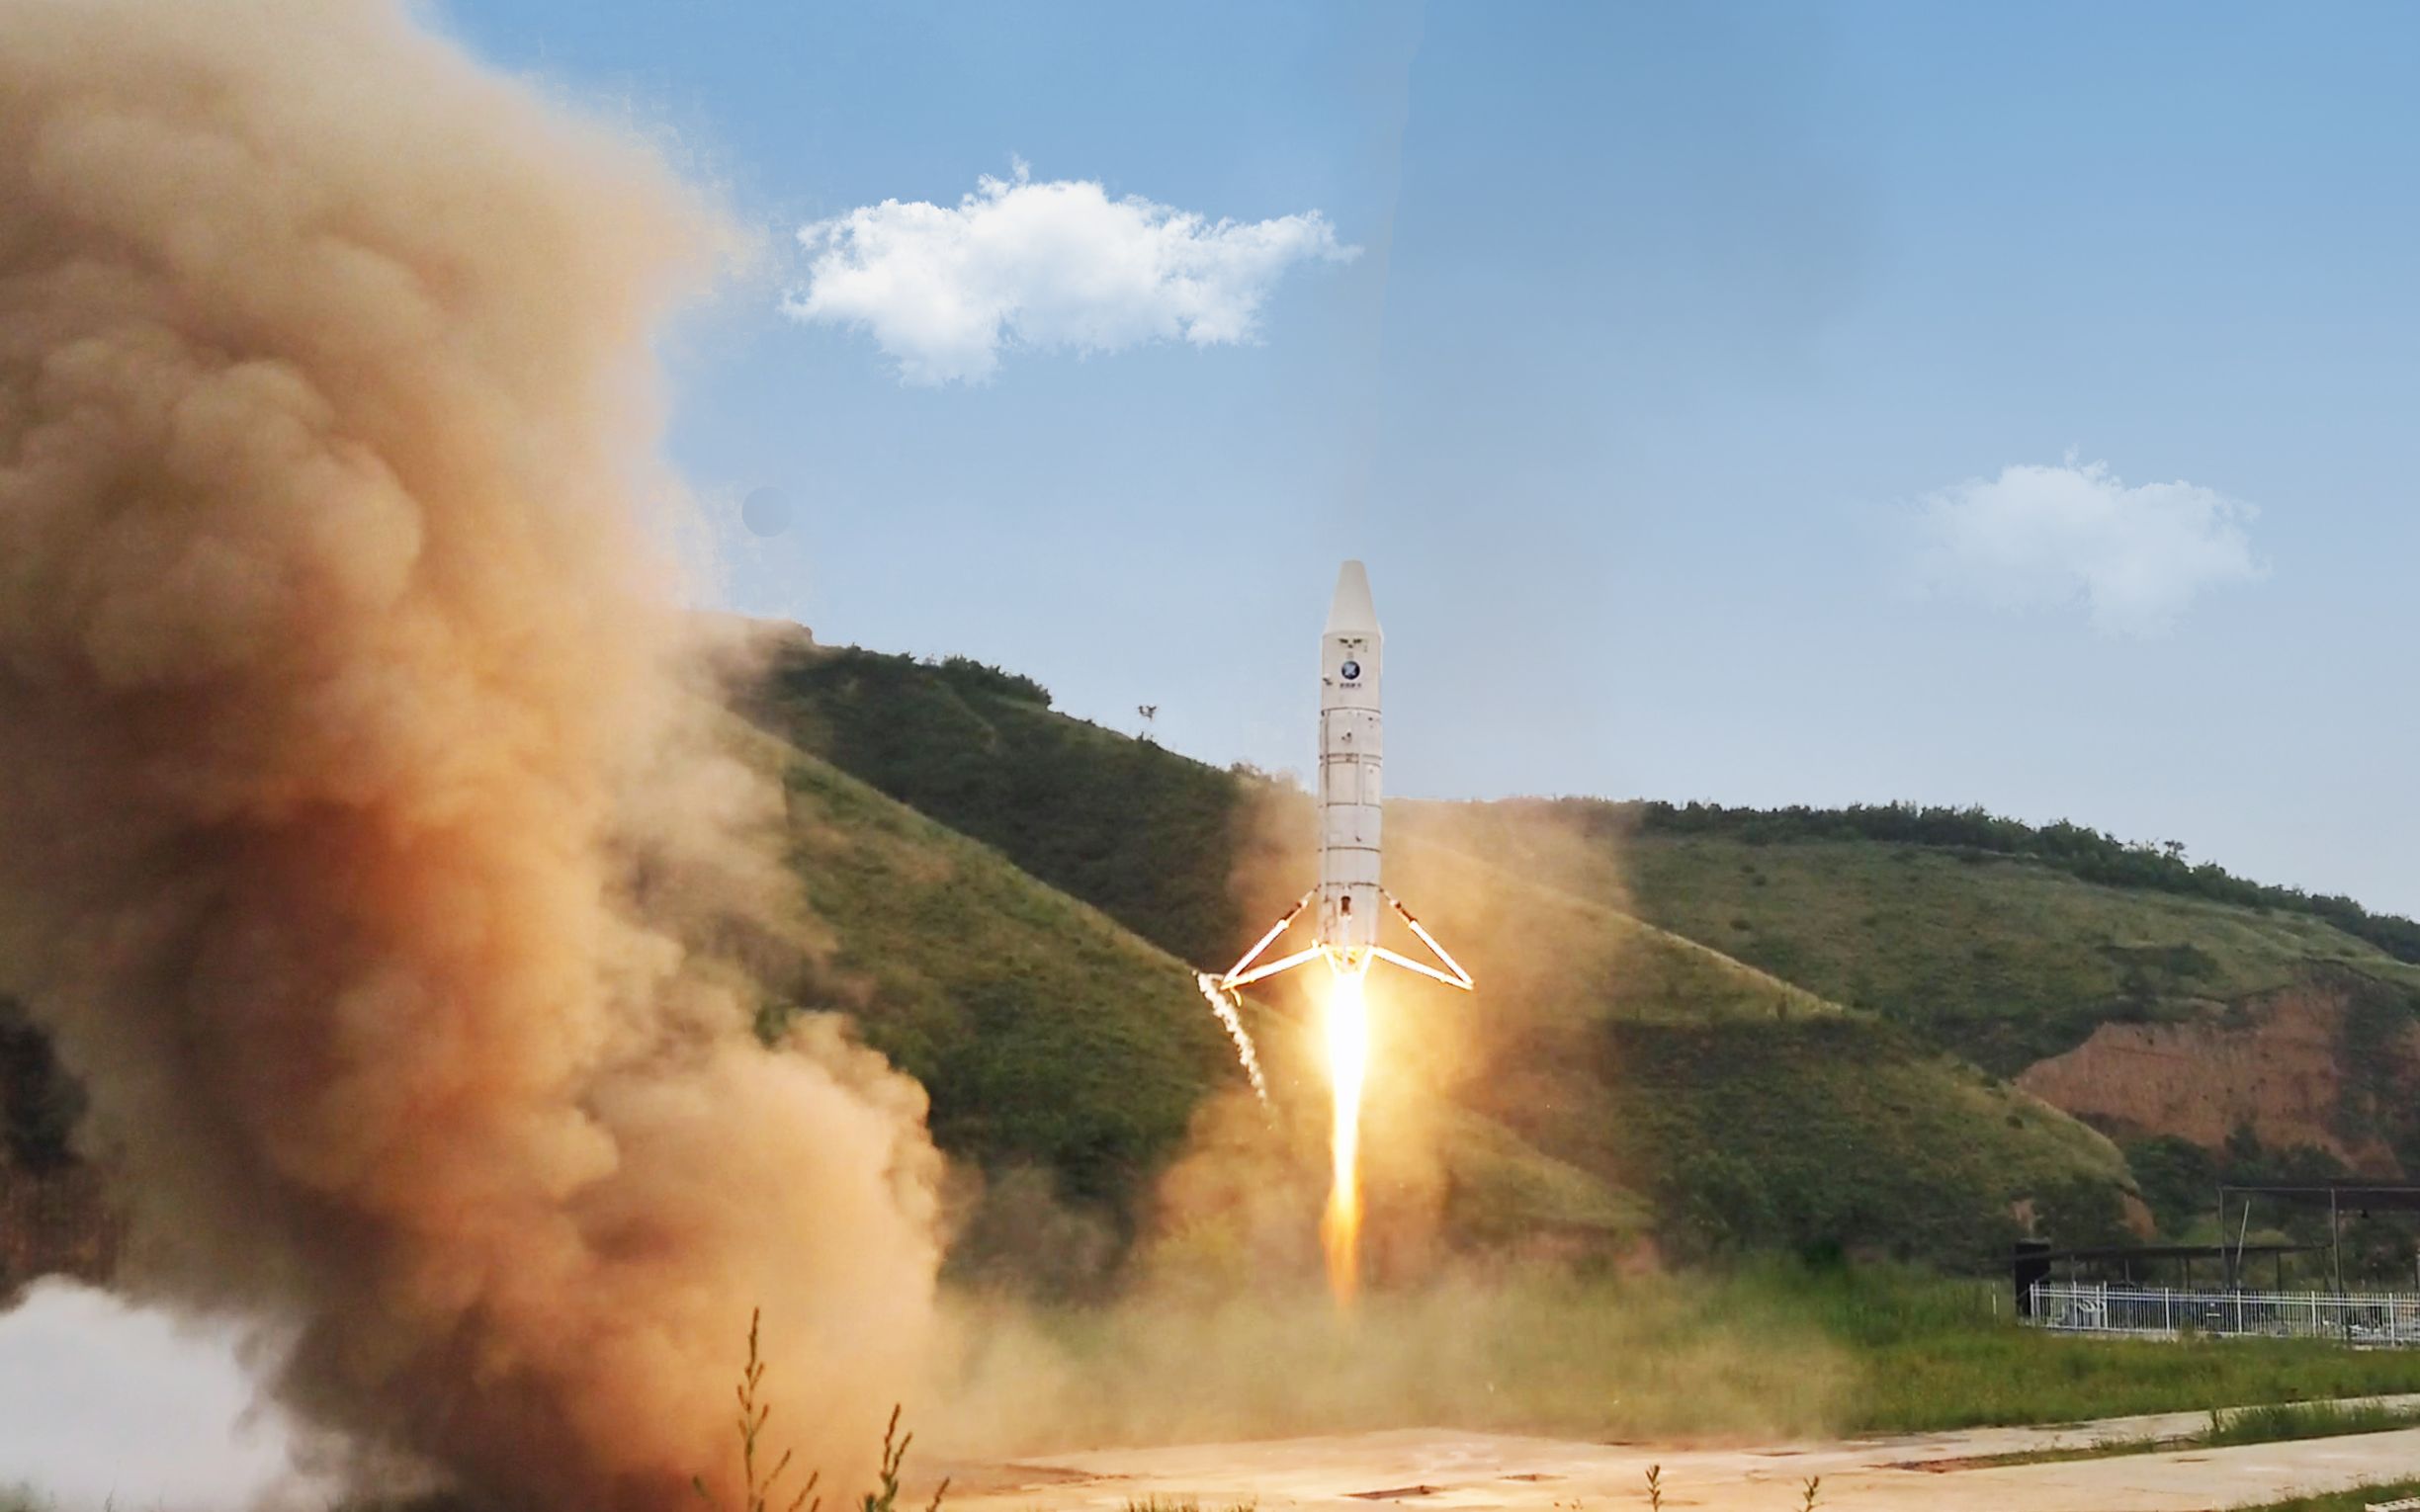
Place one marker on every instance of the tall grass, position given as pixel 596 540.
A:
pixel 2353 1500
pixel 1930 1354
pixel 1517 1351
pixel 756 1486
pixel 1156 1503
pixel 758 1482
pixel 885 1495
pixel 1765 1349
pixel 2276 1422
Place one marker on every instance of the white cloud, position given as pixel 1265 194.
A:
pixel 2038 536
pixel 1056 263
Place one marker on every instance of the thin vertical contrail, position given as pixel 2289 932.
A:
pixel 1228 1013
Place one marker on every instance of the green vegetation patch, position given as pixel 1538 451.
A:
pixel 1935 1354
pixel 1051 1040
pixel 1147 837
pixel 2005 961
pixel 1045 1033
pixel 1830 1134
pixel 2229 1427
pixel 1772 1132
pixel 2087 854
pixel 2279 1422
pixel 2352 1500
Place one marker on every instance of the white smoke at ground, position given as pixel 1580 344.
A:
pixel 104 1404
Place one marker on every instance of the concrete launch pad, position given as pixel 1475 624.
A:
pixel 1444 1468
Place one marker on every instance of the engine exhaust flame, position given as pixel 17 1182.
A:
pixel 1230 1014
pixel 1349 1048
pixel 1351 906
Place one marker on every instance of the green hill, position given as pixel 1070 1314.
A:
pixel 2001 953
pixel 1863 1031
pixel 2216 1027
pixel 1118 822
pixel 1055 1042
pixel 1044 1033
pixel 1756 1113
pixel 1750 1110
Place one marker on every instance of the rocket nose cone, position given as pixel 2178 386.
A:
pixel 1352 609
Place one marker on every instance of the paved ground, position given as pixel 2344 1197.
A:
pixel 1442 1469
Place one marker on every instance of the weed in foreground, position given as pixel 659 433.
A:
pixel 759 1488
pixel 885 1496
pixel 2281 1421
pixel 754 1411
pixel 2352 1499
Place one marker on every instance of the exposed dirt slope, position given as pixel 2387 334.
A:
pixel 2325 1064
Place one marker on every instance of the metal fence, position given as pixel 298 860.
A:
pixel 2385 1319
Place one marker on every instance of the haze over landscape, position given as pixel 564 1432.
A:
pixel 649 656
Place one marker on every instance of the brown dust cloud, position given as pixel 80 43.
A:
pixel 367 842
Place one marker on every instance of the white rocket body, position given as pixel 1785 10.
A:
pixel 1351 757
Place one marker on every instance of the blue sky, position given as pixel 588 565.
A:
pixel 1672 395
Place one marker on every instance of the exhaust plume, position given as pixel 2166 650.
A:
pixel 367 842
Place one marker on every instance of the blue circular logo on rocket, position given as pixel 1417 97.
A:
pixel 1350 671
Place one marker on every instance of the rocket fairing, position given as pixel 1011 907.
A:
pixel 1351 759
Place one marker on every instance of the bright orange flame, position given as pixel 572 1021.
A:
pixel 1348 1046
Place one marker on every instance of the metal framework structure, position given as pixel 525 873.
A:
pixel 2139 1265
pixel 1245 973
pixel 2338 1198
pixel 2375 1319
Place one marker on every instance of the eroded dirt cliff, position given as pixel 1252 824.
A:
pixel 2332 1062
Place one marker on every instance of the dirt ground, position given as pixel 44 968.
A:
pixel 1442 1469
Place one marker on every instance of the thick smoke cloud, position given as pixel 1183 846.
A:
pixel 363 841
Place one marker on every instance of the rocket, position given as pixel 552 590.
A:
pixel 1351 757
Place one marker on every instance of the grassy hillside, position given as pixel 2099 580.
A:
pixel 1752 1111
pixel 1755 1113
pixel 2004 958
pixel 1737 1034
pixel 2005 961
pixel 1056 1043
pixel 1844 1131
pixel 2278 1034
pixel 1045 1033
pixel 1118 822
